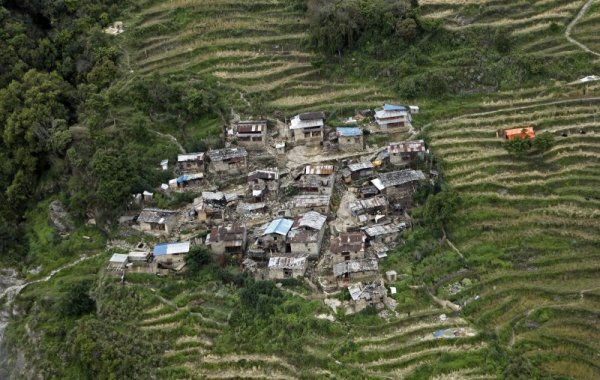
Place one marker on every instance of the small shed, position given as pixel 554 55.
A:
pixel 525 132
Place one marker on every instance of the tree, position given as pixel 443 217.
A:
pixel 407 29
pixel 518 146
pixel 542 142
pixel 77 301
pixel 196 259
pixel 442 207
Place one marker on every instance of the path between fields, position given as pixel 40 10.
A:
pixel 582 12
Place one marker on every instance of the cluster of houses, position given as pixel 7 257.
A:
pixel 282 223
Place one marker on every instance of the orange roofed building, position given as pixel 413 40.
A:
pixel 521 132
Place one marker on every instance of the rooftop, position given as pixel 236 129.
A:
pixel 393 107
pixel 279 226
pixel 250 126
pixel 362 205
pixel 381 229
pixel 248 208
pixel 156 215
pixel 407 147
pixel 311 219
pixel 265 174
pixel 319 169
pixel 348 242
pixel 360 166
pixel 349 132
pixel 301 201
pixel 227 153
pixel 303 236
pixel 190 157
pixel 307 120
pixel 287 263
pixel 397 178
pixel 311 115
pixel 171 248
pixel 353 266
pixel 227 232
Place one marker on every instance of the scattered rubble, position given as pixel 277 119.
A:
pixel 60 219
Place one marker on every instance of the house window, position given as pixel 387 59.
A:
pixel 287 273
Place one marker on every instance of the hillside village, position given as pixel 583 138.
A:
pixel 330 220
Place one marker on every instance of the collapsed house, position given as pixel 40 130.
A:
pixel 157 221
pixel 350 139
pixel 392 116
pixel 191 163
pixel 286 267
pixel 372 293
pixel 270 240
pixel 211 206
pixel 227 239
pixel 349 271
pixel 228 160
pixel 308 128
pixel 347 246
pixel 370 209
pixel 251 134
pixel 404 152
pixel 306 235
pixel 264 184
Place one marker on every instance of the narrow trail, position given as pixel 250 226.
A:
pixel 582 12
pixel 13 291
pixel 172 138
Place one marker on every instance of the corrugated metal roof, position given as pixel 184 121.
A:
pixel 397 178
pixel 312 115
pixel 311 219
pixel 319 169
pixel 227 153
pixel 360 166
pixel 407 147
pixel 119 258
pixel 190 157
pixel 393 107
pixel 353 266
pixel 381 229
pixel 155 215
pixel 189 177
pixel 171 248
pixel 300 201
pixel 363 205
pixel 279 226
pixel 348 242
pixel 287 263
pixel 298 123
pixel 349 132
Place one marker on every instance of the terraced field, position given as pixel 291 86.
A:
pixel 542 213
pixel 257 48
pixel 586 30
pixel 536 27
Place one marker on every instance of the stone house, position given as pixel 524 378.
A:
pixel 400 183
pixel 301 204
pixel 382 233
pixel 228 160
pixel 227 239
pixel 286 267
pixel 157 221
pixel 347 246
pixel 350 139
pixel 308 128
pixel 404 152
pixel 366 210
pixel 251 134
pixel 350 271
pixel 191 163
pixel 306 235
pixel 392 116
pixel 264 184
pixel 271 240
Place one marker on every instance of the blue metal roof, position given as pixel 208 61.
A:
pixel 392 107
pixel 349 131
pixel 171 248
pixel 279 226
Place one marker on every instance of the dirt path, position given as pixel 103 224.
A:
pixel 586 7
pixel 172 138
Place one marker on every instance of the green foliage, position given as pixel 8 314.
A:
pixel 77 301
pixel 261 297
pixel 106 350
pixel 543 142
pixel 518 146
pixel 197 258
pixel 339 26
pixel 441 208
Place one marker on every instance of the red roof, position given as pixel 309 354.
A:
pixel 521 132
